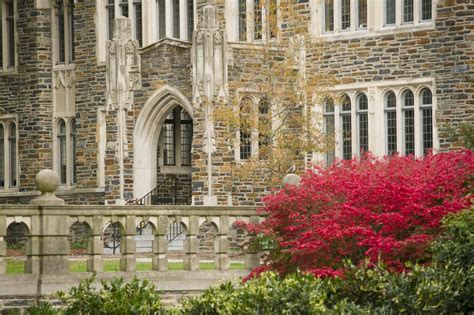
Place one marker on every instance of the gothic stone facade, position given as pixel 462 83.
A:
pixel 116 106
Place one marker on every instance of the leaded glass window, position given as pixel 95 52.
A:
pixel 390 11
pixel 409 121
pixel 391 122
pixel 346 122
pixel 257 23
pixel 13 155
pixel 427 119
pixel 363 120
pixel 264 129
pixel 245 129
pixel 329 129
pixel 329 16
pixel 242 20
pixel 169 154
pixel 345 14
pixel 408 11
pixel 62 152
pixel 362 14
pixel 426 10
pixel 186 138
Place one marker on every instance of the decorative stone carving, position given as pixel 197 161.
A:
pixel 123 77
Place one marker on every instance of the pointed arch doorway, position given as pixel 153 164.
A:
pixel 162 149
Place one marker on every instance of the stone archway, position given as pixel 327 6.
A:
pixel 147 134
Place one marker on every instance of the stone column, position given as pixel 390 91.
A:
pixel 127 245
pixel 252 258
pixel 96 246
pixel 49 244
pixel 191 245
pixel 160 245
pixel 221 245
pixel 3 245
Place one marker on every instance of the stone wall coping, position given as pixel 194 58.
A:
pixel 81 210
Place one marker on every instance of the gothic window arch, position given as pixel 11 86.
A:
pixel 362 122
pixel 408 110
pixel 346 122
pixel 66 151
pixel 390 102
pixel 426 108
pixel 13 159
pixel 329 129
pixel 8 153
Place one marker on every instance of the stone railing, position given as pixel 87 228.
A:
pixel 48 246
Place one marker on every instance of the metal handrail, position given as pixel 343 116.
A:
pixel 155 192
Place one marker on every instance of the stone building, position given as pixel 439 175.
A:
pixel 118 96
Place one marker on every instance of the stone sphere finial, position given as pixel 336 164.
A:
pixel 291 179
pixel 47 181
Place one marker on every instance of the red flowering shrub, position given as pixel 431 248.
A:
pixel 388 209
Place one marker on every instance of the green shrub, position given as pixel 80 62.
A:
pixel 444 287
pixel 115 297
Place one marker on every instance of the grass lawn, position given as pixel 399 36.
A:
pixel 18 266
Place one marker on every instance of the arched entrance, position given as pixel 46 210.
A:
pixel 162 148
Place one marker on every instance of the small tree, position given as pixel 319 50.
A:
pixel 272 100
pixel 378 209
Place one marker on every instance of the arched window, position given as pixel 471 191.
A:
pixel 427 119
pixel 346 127
pixel 2 156
pixel 73 141
pixel 408 122
pixel 363 122
pixel 62 151
pixel 329 130
pixel 13 157
pixel 264 129
pixel 391 122
pixel 245 129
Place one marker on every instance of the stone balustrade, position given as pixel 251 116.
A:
pixel 48 247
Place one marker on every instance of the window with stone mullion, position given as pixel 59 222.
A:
pixel 329 129
pixel 242 20
pixel 328 16
pixel 427 119
pixel 345 14
pixel 346 121
pixel 257 21
pixel 390 12
pixel 176 19
pixel 2 156
pixel 391 123
pixel 363 119
pixel 362 14
pixel 10 22
pixel 186 138
pixel 409 122
pixel 161 14
pixel 61 32
pixel 137 22
pixel 110 8
pixel 13 155
pixel 426 10
pixel 408 8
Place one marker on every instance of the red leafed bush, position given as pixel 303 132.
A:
pixel 377 209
